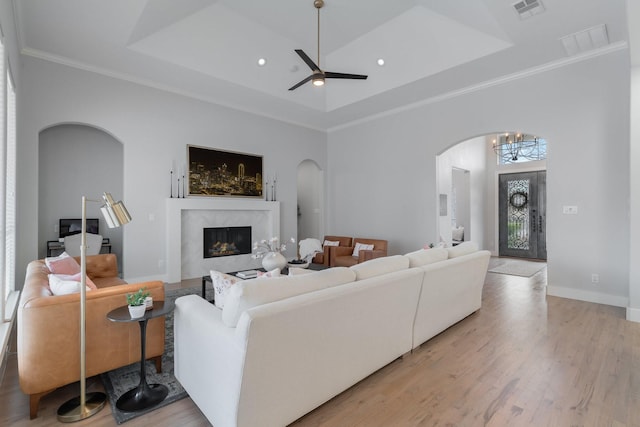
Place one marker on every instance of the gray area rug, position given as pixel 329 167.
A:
pixel 515 267
pixel 121 380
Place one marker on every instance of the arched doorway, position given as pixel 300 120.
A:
pixel 310 200
pixel 77 160
pixel 476 165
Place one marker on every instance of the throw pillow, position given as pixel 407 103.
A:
pixel 221 284
pixel 331 243
pixel 273 273
pixel 62 264
pixel 64 284
pixel 361 247
pixel 457 234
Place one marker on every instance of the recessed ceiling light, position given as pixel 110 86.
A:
pixel 262 62
pixel 380 62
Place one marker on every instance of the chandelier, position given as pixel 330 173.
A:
pixel 510 146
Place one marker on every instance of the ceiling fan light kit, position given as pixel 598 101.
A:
pixel 318 76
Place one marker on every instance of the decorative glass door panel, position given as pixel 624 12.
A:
pixel 522 215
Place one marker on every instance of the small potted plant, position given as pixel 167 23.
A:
pixel 136 302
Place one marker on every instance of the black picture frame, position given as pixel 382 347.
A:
pixel 221 173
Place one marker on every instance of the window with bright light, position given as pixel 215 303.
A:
pixel 519 148
pixel 7 184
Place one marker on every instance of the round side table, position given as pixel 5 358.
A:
pixel 144 395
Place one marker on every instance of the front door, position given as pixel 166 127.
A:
pixel 522 215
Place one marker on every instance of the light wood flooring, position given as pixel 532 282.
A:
pixel 524 359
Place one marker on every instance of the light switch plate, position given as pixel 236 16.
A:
pixel 570 210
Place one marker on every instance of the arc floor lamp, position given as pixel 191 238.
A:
pixel 86 405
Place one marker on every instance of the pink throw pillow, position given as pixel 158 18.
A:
pixel 63 264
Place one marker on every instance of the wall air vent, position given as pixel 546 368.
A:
pixel 527 8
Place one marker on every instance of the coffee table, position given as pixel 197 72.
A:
pixel 144 395
pixel 207 279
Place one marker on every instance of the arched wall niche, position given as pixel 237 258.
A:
pixel 75 160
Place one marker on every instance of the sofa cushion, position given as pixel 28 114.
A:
pixel 251 293
pixel 379 266
pixel 462 249
pixel 426 256
pixel 331 243
pixel 63 284
pixel 296 271
pixel 62 264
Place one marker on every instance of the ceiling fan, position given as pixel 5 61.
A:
pixel 318 76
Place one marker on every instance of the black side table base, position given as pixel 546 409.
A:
pixel 141 398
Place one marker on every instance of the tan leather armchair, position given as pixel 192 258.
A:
pixel 49 329
pixel 324 257
pixel 343 256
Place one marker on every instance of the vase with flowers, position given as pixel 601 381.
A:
pixel 271 253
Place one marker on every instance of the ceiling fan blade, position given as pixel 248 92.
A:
pixel 330 75
pixel 297 85
pixel 307 60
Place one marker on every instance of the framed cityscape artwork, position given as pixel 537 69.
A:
pixel 223 173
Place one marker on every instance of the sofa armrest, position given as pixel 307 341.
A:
pixel 201 339
pixel 48 335
pixel 336 251
pixel 365 255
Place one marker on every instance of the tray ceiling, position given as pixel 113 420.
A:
pixel 209 49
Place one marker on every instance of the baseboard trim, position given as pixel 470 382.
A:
pixel 633 314
pixel 588 296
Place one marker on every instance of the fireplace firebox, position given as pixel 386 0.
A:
pixel 226 241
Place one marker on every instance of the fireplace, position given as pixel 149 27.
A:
pixel 226 241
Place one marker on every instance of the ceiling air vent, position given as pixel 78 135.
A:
pixel 527 8
pixel 585 40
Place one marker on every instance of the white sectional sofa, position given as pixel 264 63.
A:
pixel 283 346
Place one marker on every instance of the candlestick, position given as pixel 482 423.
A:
pixel 171 183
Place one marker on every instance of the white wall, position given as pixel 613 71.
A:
pixel 382 179
pixel 154 128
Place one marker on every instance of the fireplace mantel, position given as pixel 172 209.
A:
pixel 177 206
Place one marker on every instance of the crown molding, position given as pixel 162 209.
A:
pixel 62 60
pixel 550 66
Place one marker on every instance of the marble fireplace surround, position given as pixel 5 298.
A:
pixel 186 217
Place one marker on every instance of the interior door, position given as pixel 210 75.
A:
pixel 522 215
